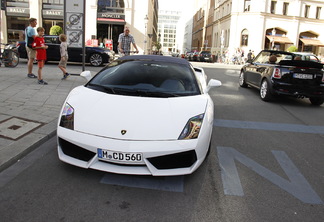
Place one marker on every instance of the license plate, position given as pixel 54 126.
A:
pixel 303 76
pixel 120 157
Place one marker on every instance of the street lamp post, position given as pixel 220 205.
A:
pixel 146 21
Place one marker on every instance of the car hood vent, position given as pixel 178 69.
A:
pixel 132 117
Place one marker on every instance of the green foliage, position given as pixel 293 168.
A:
pixel 56 30
pixel 157 45
pixel 292 49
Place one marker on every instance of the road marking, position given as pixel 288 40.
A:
pixel 172 184
pixel 269 126
pixel 297 185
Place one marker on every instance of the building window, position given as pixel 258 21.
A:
pixel 318 12
pixel 285 8
pixel 54 2
pixel 114 6
pixel 307 7
pixel 247 4
pixel 273 7
pixel 244 38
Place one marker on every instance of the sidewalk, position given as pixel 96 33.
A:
pixel 29 112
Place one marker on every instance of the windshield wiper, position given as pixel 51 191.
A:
pixel 104 88
pixel 158 93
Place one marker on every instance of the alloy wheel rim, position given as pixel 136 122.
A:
pixel 96 59
pixel 263 90
pixel 241 78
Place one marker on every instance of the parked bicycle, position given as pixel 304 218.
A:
pixel 9 57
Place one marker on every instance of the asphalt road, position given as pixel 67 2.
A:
pixel 266 164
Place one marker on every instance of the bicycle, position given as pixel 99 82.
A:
pixel 9 56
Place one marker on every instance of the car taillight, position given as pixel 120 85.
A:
pixel 276 73
pixel 17 44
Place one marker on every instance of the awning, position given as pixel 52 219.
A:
pixel 111 21
pixel 315 42
pixel 279 39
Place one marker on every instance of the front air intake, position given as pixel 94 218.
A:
pixel 173 161
pixel 75 151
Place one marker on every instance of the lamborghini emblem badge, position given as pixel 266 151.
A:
pixel 123 132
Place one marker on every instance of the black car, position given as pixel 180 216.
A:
pixel 96 56
pixel 283 73
pixel 205 56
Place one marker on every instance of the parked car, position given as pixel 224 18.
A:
pixel 279 73
pixel 96 56
pixel 142 114
pixel 194 56
pixel 307 56
pixel 205 56
pixel 187 55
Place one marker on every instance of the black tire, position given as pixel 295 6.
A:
pixel 265 93
pixel 316 101
pixel 96 59
pixel 242 80
pixel 209 148
pixel 13 62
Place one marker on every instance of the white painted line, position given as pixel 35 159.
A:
pixel 297 185
pixel 269 126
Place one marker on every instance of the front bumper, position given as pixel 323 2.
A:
pixel 161 158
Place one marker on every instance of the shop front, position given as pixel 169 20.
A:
pixel 52 14
pixel 309 42
pixel 276 39
pixel 109 26
pixel 17 19
pixel 110 23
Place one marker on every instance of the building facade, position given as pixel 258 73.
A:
pixel 259 24
pixel 167 27
pixel 104 19
pixel 266 24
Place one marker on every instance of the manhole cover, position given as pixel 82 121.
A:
pixel 14 128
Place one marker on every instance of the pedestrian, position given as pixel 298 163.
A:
pixel 249 56
pixel 124 42
pixel 39 45
pixel 30 35
pixel 64 56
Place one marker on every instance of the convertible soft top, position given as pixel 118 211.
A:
pixel 156 58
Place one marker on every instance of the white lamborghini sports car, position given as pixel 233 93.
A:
pixel 141 114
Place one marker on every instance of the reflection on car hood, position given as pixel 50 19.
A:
pixel 143 118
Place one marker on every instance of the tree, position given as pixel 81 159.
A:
pixel 56 30
pixel 157 45
pixel 292 49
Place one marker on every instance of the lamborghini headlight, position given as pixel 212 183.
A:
pixel 67 117
pixel 192 128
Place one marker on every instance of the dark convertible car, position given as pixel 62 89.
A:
pixel 284 73
pixel 96 56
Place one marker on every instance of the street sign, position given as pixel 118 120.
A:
pixel 74 38
pixel 74 20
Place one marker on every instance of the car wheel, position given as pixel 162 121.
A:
pixel 316 101
pixel 96 59
pixel 265 91
pixel 242 80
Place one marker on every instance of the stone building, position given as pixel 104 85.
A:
pixel 105 19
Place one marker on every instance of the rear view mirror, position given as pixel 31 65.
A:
pixel 213 83
pixel 86 75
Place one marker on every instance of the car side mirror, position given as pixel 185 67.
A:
pixel 86 75
pixel 213 83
